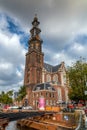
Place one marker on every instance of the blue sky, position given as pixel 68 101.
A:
pixel 64 34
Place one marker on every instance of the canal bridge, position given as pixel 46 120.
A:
pixel 13 116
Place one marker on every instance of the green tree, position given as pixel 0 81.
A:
pixel 21 93
pixel 10 93
pixel 5 98
pixel 78 80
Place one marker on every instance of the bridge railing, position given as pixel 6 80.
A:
pixel 79 122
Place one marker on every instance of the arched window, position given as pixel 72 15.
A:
pixel 48 78
pixel 55 78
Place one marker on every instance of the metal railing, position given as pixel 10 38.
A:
pixel 79 127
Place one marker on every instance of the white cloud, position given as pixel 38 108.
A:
pixel 77 47
pixel 60 57
pixel 3 22
pixel 12 57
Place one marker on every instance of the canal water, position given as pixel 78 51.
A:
pixel 12 126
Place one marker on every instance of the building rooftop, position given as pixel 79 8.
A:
pixel 51 68
pixel 44 86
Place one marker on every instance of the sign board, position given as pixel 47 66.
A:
pixel 85 92
pixel 41 103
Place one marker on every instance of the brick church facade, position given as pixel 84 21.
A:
pixel 42 79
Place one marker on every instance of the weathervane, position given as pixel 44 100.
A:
pixel 35 12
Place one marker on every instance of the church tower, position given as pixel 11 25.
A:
pixel 34 57
pixel 38 74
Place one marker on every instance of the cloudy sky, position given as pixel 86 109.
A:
pixel 64 33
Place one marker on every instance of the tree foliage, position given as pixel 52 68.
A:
pixel 78 80
pixel 21 93
pixel 6 98
pixel 10 93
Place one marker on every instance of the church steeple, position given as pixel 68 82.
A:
pixel 34 56
pixel 35 40
pixel 35 30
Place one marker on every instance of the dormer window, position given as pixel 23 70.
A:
pixel 38 88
